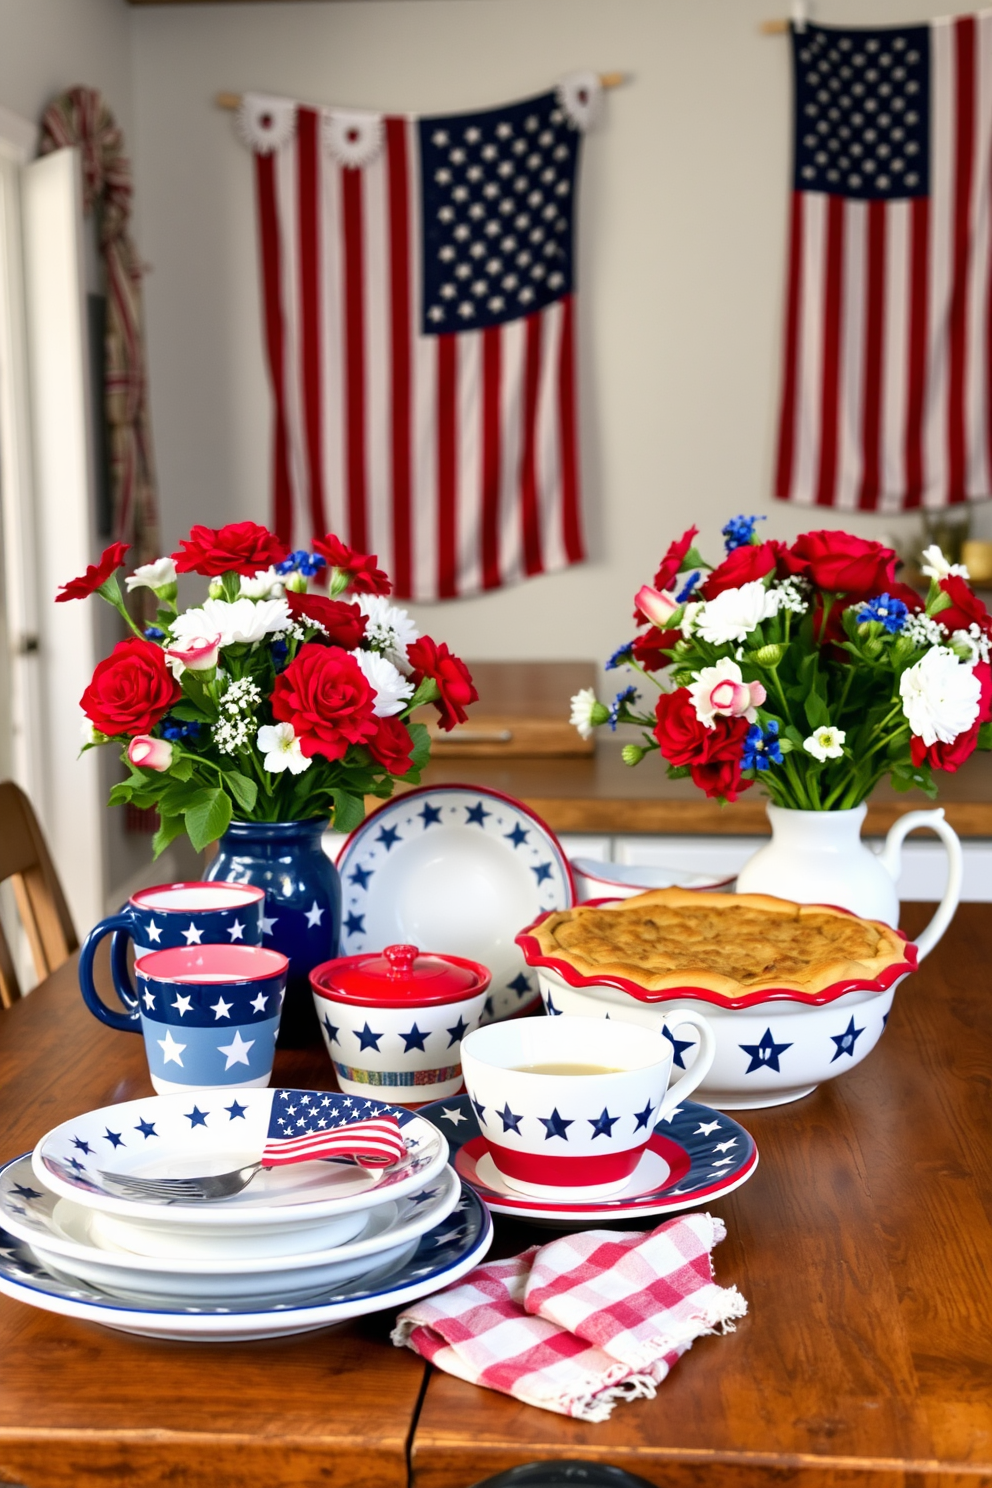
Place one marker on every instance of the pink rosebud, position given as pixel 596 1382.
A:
pixel 658 608
pixel 198 654
pixel 736 698
pixel 150 754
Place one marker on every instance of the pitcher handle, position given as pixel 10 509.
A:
pixel 686 1084
pixel 129 1021
pixel 934 821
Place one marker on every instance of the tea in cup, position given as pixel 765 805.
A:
pixel 569 1104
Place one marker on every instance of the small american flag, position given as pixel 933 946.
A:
pixel 418 285
pixel 306 1125
pixel 887 387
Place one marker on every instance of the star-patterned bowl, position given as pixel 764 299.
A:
pixel 394 1022
pixel 766 1055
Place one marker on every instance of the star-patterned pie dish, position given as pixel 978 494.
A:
pixel 459 870
pixel 285 1210
pixel 443 1255
pixel 68 1238
pixel 730 950
pixel 695 1156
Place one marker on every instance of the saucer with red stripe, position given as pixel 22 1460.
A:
pixel 695 1155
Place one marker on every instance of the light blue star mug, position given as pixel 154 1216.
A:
pixel 158 918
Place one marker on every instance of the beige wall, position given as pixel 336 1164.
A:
pixel 682 245
pixel 49 45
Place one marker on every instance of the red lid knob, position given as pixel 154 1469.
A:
pixel 401 959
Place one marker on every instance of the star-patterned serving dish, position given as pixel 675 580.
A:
pixel 695 1155
pixel 443 1255
pixel 284 1209
pixel 459 870
pixel 67 1237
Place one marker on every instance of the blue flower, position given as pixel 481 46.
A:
pixel 887 611
pixel 303 562
pixel 174 728
pixel 627 696
pixel 621 656
pixel 280 651
pixel 761 747
pixel 739 531
pixel 687 588
pixel 152 633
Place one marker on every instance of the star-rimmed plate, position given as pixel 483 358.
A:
pixel 217 1130
pixel 68 1238
pixel 442 1256
pixel 695 1155
pixel 456 869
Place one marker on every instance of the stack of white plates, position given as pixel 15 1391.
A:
pixel 300 1247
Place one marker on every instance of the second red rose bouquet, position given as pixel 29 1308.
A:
pixel 266 703
pixel 807 666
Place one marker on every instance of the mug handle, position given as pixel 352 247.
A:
pixel 130 1020
pixel 687 1083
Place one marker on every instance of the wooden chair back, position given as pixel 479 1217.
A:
pixel 41 904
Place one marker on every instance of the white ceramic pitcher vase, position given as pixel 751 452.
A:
pixel 818 857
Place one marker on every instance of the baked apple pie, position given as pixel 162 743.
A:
pixel 737 948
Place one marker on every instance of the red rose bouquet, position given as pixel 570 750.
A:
pixel 807 666
pixel 266 702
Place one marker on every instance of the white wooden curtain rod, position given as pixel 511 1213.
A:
pixel 232 101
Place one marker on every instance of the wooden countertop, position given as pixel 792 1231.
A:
pixel 600 793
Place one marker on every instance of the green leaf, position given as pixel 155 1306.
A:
pixel 421 745
pixel 985 736
pixel 793 735
pixel 187 713
pixel 678 772
pixel 170 828
pixel 208 816
pixel 177 796
pixel 693 559
pixel 427 692
pixel 244 791
pixel 121 793
pixel 181 767
pixel 817 715
pixel 941 601
pixel 349 811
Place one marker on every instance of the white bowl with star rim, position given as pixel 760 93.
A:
pixel 766 1055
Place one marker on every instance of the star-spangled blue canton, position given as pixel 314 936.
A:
pixel 863 112
pixel 497 210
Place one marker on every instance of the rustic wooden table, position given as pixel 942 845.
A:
pixel 863 1245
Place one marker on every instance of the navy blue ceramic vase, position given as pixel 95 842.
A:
pixel 302 905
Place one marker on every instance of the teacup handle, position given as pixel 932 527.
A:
pixel 686 1084
pixel 129 1021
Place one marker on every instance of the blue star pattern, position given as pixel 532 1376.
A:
pixel 431 815
pixel 846 1041
pixel 389 837
pixel 518 836
pixel 520 984
pixel 643 1117
pixel 196 1117
pixel 679 1047
pixel 234 1110
pixel 477 814
pixel 555 1125
pixel 457 1032
pixel 82 1146
pixel 603 1125
pixel 479 1108
pixel 552 1011
pixel 414 1039
pixel 498 189
pixel 354 924
pixel 114 1138
pixel 765 1054
pixel 360 876
pixel 541 871
pixel 367 1039
pixel 510 1122
pixel 146 1128
pixel 25 1192
pixel 332 1030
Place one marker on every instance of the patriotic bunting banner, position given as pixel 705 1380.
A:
pixel 888 346
pixel 419 308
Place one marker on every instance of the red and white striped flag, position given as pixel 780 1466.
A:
pixel 420 331
pixel 887 386
pixel 375 1143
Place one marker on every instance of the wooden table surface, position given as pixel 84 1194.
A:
pixel 599 793
pixel 863 1245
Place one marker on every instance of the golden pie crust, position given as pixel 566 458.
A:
pixel 732 945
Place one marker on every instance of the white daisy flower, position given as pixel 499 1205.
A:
pixel 392 690
pixel 389 629
pixel 267 584
pixel 240 620
pixel 157 575
pixel 587 712
pixel 936 566
pixel 281 748
pixel 940 696
pixel 732 615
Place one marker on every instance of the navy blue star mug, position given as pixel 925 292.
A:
pixel 210 1014
pixel 155 919
pixel 567 1106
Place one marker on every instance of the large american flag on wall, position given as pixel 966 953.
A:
pixel 419 307
pixel 887 385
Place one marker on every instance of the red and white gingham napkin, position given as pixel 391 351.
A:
pixel 580 1323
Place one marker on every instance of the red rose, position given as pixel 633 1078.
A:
pixel 326 698
pixel 240 547
pixel 363 575
pixel 345 624
pixel 452 676
pixel 391 746
pixel 720 778
pixel 652 647
pixel 951 757
pixel 741 565
pixel 671 564
pixel 95 575
pixel 712 754
pixel 966 607
pixel 844 564
pixel 131 689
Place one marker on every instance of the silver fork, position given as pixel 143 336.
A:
pixel 182 1190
